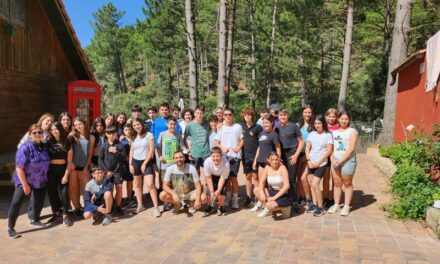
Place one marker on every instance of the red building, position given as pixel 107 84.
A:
pixel 415 106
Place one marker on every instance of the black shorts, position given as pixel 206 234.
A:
pixel 261 164
pixel 234 167
pixel 95 160
pixel 79 168
pixel 116 178
pixel 318 172
pixel 126 175
pixel 137 164
pixel 215 180
pixel 283 201
pixel 247 166
pixel 198 162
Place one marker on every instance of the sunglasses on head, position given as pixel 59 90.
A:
pixel 37 132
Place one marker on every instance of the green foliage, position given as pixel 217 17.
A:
pixel 412 184
pixel 149 60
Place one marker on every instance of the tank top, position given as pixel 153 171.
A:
pixel 276 181
pixel 80 149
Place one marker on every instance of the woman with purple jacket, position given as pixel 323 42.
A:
pixel 30 177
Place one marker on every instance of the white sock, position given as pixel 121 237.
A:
pixel 235 196
pixel 228 196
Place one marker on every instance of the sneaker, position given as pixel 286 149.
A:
pixel 235 203
pixel 247 202
pixel 345 210
pixel 318 212
pixel 209 210
pixel 13 234
pixel 285 212
pixel 221 211
pixel 328 203
pixel 78 213
pixel 97 217
pixel 67 221
pixel 140 209
pixel 256 207
pixel 301 201
pixel 296 207
pixel 107 220
pixel 36 224
pixel 191 210
pixel 310 207
pixel 54 219
pixel 118 211
pixel 333 209
pixel 264 213
pixel 156 212
pixel 167 207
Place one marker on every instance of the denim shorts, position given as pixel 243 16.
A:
pixel 348 167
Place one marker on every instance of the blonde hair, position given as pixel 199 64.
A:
pixel 44 116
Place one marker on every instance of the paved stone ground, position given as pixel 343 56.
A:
pixel 366 236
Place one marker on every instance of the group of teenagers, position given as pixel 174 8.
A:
pixel 284 163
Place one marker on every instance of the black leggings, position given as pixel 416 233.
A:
pixel 291 169
pixel 58 193
pixel 36 204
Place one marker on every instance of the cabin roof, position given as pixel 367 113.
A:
pixel 63 28
pixel 415 56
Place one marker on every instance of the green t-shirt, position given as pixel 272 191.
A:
pixel 198 134
pixel 169 143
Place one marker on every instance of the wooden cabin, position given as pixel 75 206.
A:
pixel 415 107
pixel 39 56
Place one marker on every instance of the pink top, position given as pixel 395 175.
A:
pixel 332 128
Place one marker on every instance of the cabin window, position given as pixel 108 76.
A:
pixel 421 68
pixel 13 12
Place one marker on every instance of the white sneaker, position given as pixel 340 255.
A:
pixel 256 207
pixel 264 213
pixel 235 203
pixel 191 210
pixel 156 212
pixel 334 209
pixel 345 210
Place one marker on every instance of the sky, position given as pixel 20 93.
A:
pixel 80 13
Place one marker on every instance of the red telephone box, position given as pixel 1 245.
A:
pixel 84 99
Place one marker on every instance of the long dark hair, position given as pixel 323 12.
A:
pixel 323 121
pixel 301 121
pixel 63 137
pixel 98 120
pixel 63 114
pixel 121 126
pixel 144 131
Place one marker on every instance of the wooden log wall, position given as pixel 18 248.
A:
pixel 34 72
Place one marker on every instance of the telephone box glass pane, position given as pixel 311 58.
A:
pixel 84 109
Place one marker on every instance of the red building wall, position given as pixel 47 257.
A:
pixel 414 105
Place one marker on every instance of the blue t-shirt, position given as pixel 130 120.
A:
pixel 160 125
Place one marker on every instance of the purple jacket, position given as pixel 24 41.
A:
pixel 34 159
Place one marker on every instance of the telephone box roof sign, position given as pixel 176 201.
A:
pixel 84 100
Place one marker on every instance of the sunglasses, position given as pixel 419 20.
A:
pixel 37 132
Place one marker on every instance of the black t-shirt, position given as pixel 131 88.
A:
pixel 250 140
pixel 289 135
pixel 56 151
pixel 267 142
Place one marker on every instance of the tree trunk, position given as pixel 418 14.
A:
pixel 347 57
pixel 399 48
pixel 222 54
pixel 230 49
pixel 387 30
pixel 272 49
pixel 303 81
pixel 192 55
pixel 253 71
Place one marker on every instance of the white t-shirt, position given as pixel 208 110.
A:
pixel 319 144
pixel 341 141
pixel 221 170
pixel 141 146
pixel 188 171
pixel 229 137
